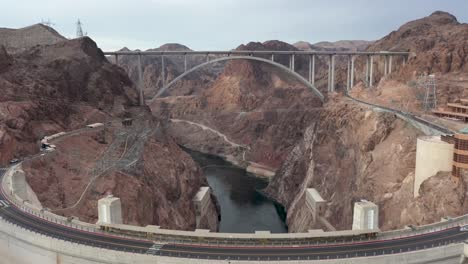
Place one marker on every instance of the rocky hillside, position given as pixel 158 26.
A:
pixel 341 45
pixel 17 40
pixel 47 89
pixel 255 112
pixel 162 178
pixel 350 153
pixel 438 44
pixel 67 85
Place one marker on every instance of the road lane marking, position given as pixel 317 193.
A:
pixel 154 249
pixel 4 203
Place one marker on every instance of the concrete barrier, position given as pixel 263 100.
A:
pixel 20 246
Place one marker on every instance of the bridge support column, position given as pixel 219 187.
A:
pixel 290 61
pixel 352 71
pixel 116 59
pixel 140 81
pixel 272 57
pixel 293 63
pixel 185 62
pixel 367 71
pixel 371 62
pixel 331 73
pixel 348 76
pixel 207 57
pixel 385 65
pixel 390 64
pixel 163 77
pixel 312 69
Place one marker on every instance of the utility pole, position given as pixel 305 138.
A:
pixel 79 30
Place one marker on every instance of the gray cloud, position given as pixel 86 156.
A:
pixel 224 24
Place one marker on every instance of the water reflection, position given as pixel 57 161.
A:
pixel 243 209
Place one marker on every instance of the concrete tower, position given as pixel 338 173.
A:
pixel 110 210
pixel 366 215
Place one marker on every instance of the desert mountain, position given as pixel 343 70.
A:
pixel 341 45
pixel 16 40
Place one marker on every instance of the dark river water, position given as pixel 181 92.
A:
pixel 243 209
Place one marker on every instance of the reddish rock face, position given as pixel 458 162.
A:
pixel 155 180
pixel 48 89
pixel 252 104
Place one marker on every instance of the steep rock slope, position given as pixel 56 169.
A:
pixel 17 40
pixel 52 88
pixel 254 105
pixel 352 153
pixel 438 44
pixel 341 45
pixel 155 180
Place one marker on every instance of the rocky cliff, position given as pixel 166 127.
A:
pixel 47 89
pixel 350 153
pixel 67 85
pixel 155 180
pixel 252 112
pixel 18 40
pixel 438 45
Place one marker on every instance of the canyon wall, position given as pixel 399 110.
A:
pixel 352 153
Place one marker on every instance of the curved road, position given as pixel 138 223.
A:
pixel 10 213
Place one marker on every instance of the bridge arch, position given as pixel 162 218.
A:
pixel 277 65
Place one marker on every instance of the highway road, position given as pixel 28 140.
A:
pixel 10 213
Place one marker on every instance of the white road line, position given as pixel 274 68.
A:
pixel 154 249
pixel 4 203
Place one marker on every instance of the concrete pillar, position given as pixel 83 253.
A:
pixel 385 65
pixel 163 75
pixel 329 72
pixel 290 61
pixel 185 62
pixel 390 64
pixel 272 57
pixel 371 65
pixel 332 83
pixel 207 57
pixel 312 69
pixel 110 210
pixel 140 80
pixel 116 59
pixel 292 68
pixel 348 77
pixel 352 71
pixel 365 216
pixel 367 71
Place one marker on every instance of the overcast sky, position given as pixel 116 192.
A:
pixel 222 24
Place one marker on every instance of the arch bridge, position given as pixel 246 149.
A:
pixel 269 58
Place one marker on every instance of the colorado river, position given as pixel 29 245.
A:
pixel 243 209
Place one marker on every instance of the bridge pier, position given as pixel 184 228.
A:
pixel 331 74
pixel 385 65
pixel 140 81
pixel 272 57
pixel 367 71
pixel 390 64
pixel 312 69
pixel 292 64
pixel 185 62
pixel 352 71
pixel 163 77
pixel 371 62
pixel 116 59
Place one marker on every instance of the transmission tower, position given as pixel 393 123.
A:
pixel 79 30
pixel 47 23
pixel 428 85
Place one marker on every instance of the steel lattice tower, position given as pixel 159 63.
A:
pixel 79 30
